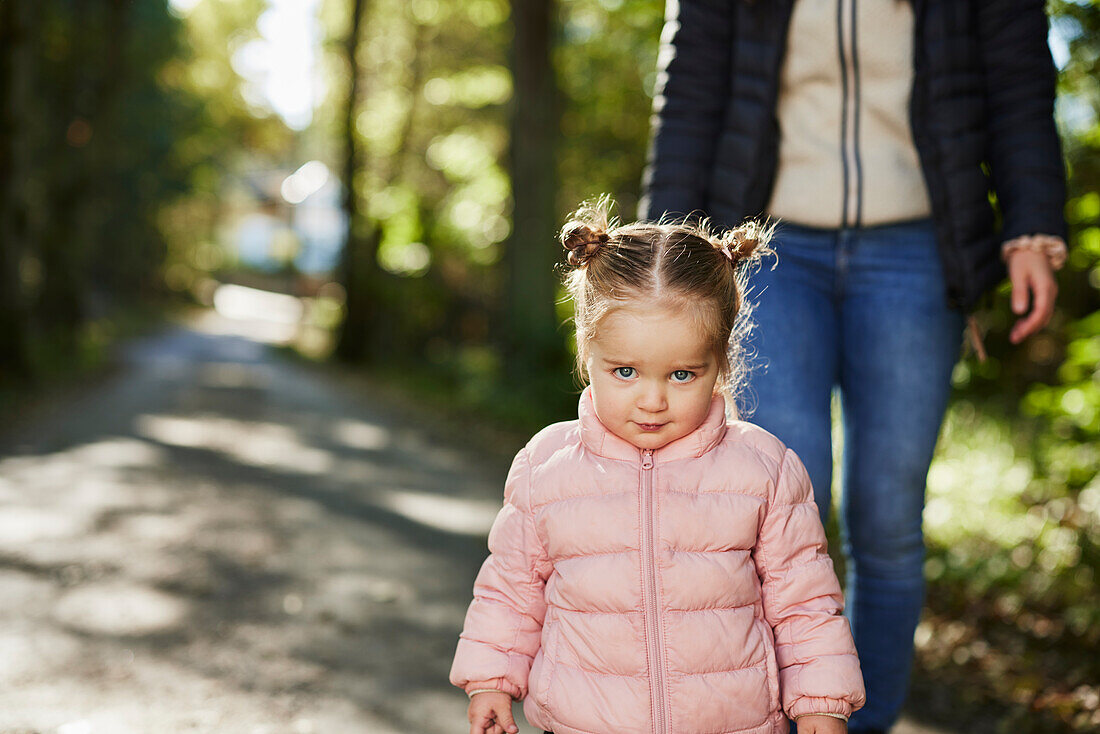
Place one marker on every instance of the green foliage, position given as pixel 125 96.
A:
pixel 1013 518
pixel 1073 405
pixel 606 63
pixel 1013 527
pixel 433 122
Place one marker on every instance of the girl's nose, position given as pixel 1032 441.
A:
pixel 652 399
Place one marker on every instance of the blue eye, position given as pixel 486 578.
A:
pixel 683 376
pixel 624 372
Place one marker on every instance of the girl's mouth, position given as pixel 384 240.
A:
pixel 650 426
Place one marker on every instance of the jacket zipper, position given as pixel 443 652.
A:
pixel 653 631
pixel 849 118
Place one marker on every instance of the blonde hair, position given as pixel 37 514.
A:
pixel 682 263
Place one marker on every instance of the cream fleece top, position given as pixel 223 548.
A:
pixel 846 151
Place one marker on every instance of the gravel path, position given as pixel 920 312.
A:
pixel 216 540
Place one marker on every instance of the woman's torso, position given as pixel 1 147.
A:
pixel 960 56
pixel 846 156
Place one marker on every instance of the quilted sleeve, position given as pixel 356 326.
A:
pixel 504 622
pixel 818 668
pixel 694 64
pixel 1024 151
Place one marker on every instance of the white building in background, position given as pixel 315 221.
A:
pixel 297 218
pixel 255 238
pixel 320 223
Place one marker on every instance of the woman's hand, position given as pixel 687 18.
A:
pixel 1032 279
pixel 812 724
pixel 491 713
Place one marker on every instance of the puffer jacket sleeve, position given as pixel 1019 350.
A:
pixel 818 668
pixel 1025 155
pixel 694 65
pixel 504 622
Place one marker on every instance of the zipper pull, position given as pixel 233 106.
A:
pixel 647 458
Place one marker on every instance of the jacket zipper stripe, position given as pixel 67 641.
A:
pixel 843 111
pixel 849 117
pixel 857 113
pixel 653 631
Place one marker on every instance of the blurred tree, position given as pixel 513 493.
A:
pixel 120 123
pixel 438 121
pixel 531 341
pixel 17 26
pixel 606 63
pixel 428 183
pixel 59 303
pixel 359 260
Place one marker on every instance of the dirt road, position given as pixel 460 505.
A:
pixel 213 539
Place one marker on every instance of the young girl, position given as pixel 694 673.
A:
pixel 657 568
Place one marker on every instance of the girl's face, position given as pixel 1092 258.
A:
pixel 652 374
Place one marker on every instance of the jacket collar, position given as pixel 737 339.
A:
pixel 598 439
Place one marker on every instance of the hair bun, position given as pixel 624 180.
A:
pixel 582 240
pixel 746 242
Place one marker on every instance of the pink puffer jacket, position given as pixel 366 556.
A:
pixel 682 590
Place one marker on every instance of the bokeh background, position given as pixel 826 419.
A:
pixel 371 188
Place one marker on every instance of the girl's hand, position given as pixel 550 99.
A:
pixel 821 725
pixel 1030 271
pixel 491 713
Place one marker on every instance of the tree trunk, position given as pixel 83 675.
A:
pixel 100 198
pixel 16 24
pixel 531 338
pixel 359 261
pixel 64 246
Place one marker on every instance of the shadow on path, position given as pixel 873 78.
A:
pixel 218 540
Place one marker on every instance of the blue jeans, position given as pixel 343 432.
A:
pixel 862 310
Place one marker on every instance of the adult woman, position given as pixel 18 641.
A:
pixel 875 130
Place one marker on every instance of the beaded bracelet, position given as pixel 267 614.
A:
pixel 472 693
pixel 1053 247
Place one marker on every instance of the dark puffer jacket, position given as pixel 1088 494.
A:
pixel 981 113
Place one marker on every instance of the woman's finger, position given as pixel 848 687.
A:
pixel 1042 289
pixel 1025 327
pixel 1021 295
pixel 1045 302
pixel 1020 288
pixel 1045 297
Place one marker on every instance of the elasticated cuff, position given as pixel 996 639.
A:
pixel 814 705
pixel 499 684
pixel 842 717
